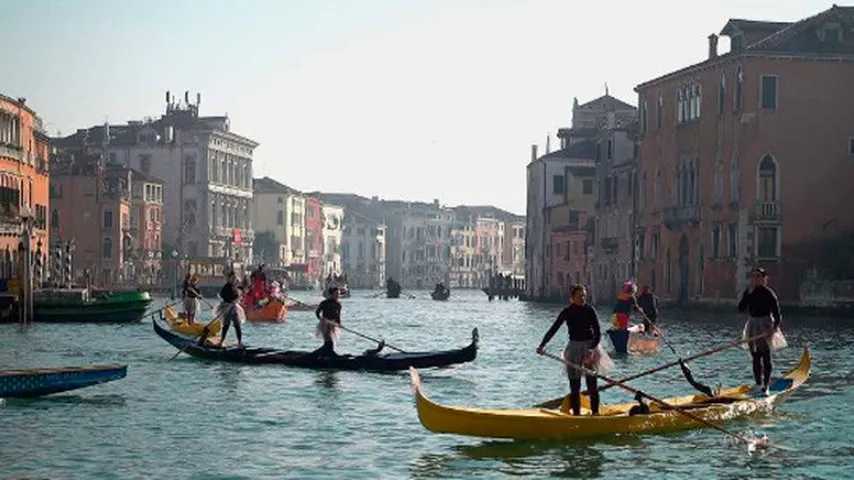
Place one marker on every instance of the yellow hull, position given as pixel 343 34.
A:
pixel 178 324
pixel 542 423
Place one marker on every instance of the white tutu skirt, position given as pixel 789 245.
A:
pixel 327 328
pixel 231 312
pixel 757 326
pixel 580 353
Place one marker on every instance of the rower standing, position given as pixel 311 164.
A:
pixel 648 304
pixel 625 305
pixel 230 309
pixel 190 294
pixel 584 347
pixel 760 302
pixel 328 314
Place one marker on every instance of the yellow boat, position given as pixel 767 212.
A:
pixel 549 424
pixel 179 324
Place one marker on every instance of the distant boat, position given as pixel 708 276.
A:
pixel 84 305
pixel 441 295
pixel 36 382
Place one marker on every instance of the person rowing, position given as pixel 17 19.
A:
pixel 584 347
pixel 190 295
pixel 625 305
pixel 328 314
pixel 760 302
pixel 648 304
pixel 230 310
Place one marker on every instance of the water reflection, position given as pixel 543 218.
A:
pixel 580 459
pixel 327 379
pixel 112 400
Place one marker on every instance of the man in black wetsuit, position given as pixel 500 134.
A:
pixel 584 336
pixel 648 304
pixel 760 302
pixel 329 316
pixel 230 309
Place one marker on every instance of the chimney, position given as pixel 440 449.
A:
pixel 198 99
pixel 186 97
pixel 548 144
pixel 167 97
pixel 533 153
pixel 713 46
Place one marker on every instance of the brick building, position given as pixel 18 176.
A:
pixel 746 159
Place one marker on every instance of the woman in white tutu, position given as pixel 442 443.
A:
pixel 760 302
pixel 584 347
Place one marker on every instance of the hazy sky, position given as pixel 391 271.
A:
pixel 403 99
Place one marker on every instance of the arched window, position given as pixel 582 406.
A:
pixel 768 179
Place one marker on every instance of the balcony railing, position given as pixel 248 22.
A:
pixel 684 215
pixel 767 211
pixel 609 243
pixel 11 151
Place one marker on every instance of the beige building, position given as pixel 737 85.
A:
pixel 278 211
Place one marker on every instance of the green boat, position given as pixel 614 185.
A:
pixel 83 305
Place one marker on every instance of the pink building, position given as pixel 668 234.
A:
pixel 314 238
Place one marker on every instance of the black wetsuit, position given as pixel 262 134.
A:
pixel 761 303
pixel 329 309
pixel 648 304
pixel 582 325
pixel 230 294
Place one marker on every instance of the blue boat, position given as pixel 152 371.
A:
pixel 36 382
pixel 620 339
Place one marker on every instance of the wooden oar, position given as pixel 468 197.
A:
pixel 554 403
pixel 621 384
pixel 297 301
pixel 369 338
pixel 202 338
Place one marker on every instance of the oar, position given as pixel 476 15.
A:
pixel 148 314
pixel 686 371
pixel 202 337
pixel 297 301
pixel 554 403
pixel 751 444
pixel 342 327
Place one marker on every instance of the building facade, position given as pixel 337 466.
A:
pixel 333 226
pixel 91 205
pixel 207 170
pixel 24 185
pixel 146 228
pixel 514 246
pixel 278 212
pixel 363 251
pixel 419 243
pixel 314 246
pixel 614 255
pixel 742 159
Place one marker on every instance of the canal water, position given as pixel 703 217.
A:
pixel 193 419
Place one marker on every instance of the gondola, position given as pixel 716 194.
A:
pixel 441 295
pixel 371 361
pixel 36 382
pixel 556 424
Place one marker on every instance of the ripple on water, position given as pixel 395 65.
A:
pixel 193 419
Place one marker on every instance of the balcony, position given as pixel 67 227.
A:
pixel 609 244
pixel 11 151
pixel 678 216
pixel 767 211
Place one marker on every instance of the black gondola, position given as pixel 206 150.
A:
pixel 303 359
pixel 441 295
